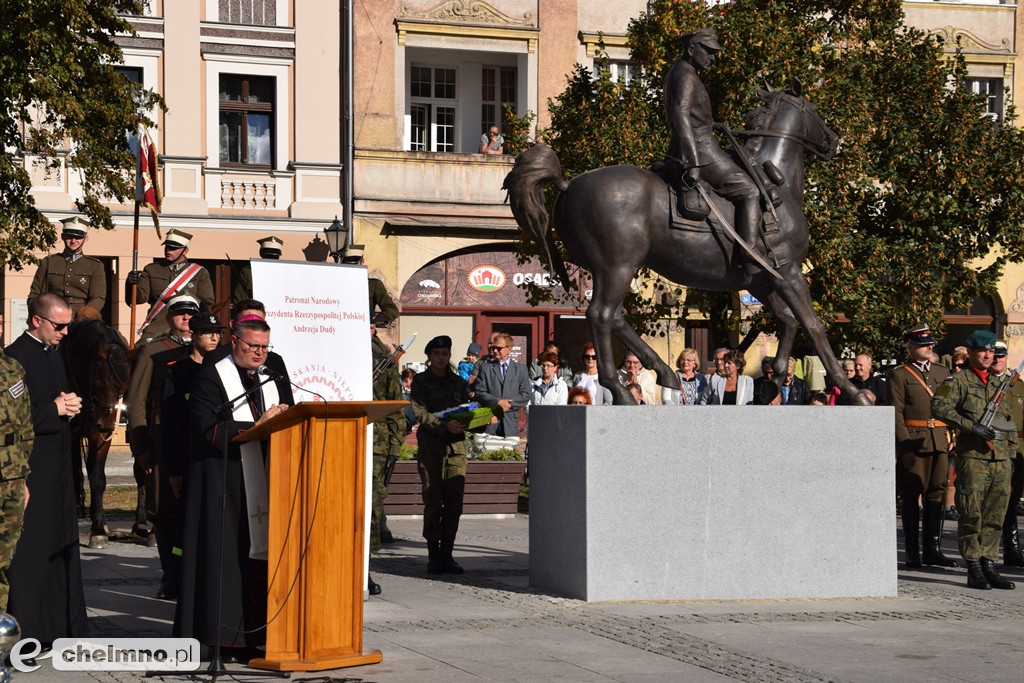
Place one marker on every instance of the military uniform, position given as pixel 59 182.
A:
pixel 380 299
pixel 1012 556
pixel 388 435
pixel 16 437
pixel 983 472
pixel 441 458
pixel 155 278
pixel 917 432
pixel 78 278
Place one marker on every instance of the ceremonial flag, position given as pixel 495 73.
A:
pixel 148 185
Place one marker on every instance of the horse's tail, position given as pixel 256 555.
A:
pixel 536 168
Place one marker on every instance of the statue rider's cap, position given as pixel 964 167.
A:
pixel 920 335
pixel 702 36
pixel 981 339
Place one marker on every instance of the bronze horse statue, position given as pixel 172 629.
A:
pixel 96 358
pixel 615 219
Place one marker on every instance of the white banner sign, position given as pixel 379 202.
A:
pixel 320 324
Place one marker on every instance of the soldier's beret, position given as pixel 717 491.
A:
pixel 920 335
pixel 441 342
pixel 981 339
pixel 702 36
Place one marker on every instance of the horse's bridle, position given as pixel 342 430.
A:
pixel 821 149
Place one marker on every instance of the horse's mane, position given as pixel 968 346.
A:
pixel 84 338
pixel 761 117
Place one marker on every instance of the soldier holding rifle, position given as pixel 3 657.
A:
pixel 972 401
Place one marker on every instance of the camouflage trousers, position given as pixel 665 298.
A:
pixel 443 476
pixel 378 494
pixel 12 499
pixel 982 494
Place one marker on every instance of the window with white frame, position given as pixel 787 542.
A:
pixel 620 71
pixel 246 123
pixel 992 89
pixel 432 108
pixel 497 88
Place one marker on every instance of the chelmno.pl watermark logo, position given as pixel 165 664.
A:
pixel 109 654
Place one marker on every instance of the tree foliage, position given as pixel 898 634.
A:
pixel 63 101
pixel 921 208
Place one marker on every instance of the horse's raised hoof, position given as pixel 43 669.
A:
pixel 98 542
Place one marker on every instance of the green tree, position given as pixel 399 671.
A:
pixel 921 208
pixel 63 102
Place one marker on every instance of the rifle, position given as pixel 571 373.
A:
pixel 386 363
pixel 989 416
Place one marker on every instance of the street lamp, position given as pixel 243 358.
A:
pixel 336 234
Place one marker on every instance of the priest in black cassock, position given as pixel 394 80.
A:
pixel 243 585
pixel 47 597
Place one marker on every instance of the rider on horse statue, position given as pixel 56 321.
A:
pixel 695 155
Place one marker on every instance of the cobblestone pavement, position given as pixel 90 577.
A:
pixel 488 624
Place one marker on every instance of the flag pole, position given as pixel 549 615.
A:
pixel 135 230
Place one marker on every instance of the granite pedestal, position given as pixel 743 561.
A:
pixel 712 502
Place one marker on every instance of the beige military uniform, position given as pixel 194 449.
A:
pixel 78 278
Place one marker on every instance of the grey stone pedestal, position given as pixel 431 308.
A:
pixel 712 502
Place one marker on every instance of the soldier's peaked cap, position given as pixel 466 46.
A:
pixel 76 226
pixel 177 239
pixel 981 339
pixel 183 302
pixel 270 244
pixel 1001 351
pixel 919 334
pixel 702 36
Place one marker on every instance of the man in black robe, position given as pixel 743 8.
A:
pixel 47 597
pixel 243 583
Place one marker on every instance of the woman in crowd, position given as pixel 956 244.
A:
pixel 691 382
pixel 587 379
pixel 849 367
pixel 578 396
pixel 549 388
pixel 734 389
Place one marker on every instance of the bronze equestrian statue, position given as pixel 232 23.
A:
pixel 615 219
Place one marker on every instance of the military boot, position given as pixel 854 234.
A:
pixel 988 568
pixel 1012 556
pixel 932 554
pixel 976 577
pixel 447 561
pixel 911 522
pixel 434 564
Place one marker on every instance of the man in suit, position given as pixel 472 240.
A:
pixel 505 383
pixel 922 447
pixel 795 391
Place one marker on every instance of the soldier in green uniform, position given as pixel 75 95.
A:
pixel 380 300
pixel 270 248
pixel 80 279
pixel 16 436
pixel 983 460
pixel 155 283
pixel 441 456
pixel 388 434
pixel 922 447
pixel 1012 556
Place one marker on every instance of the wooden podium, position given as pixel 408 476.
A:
pixel 317 472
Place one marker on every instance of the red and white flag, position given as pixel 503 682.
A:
pixel 148 186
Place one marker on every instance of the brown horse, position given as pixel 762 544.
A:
pixel 96 358
pixel 615 219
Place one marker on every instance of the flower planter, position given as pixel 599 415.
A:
pixel 492 487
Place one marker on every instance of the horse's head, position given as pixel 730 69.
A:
pixel 788 114
pixel 97 359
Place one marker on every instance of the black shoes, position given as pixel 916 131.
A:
pixel 988 568
pixel 1012 556
pixel 372 587
pixel 168 588
pixel 440 560
pixel 931 552
pixel 976 578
